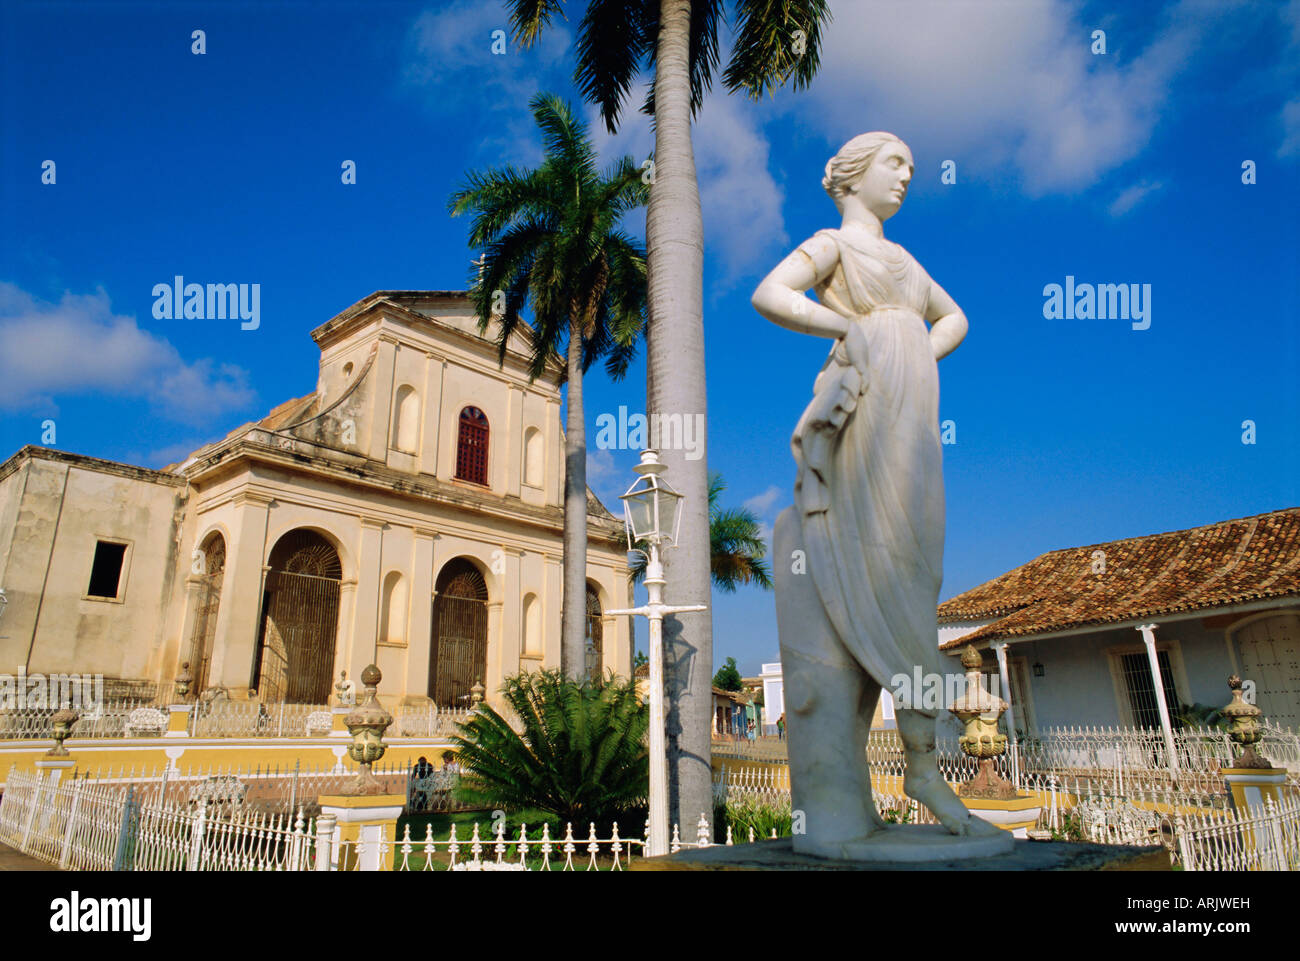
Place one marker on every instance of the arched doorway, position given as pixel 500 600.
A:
pixel 458 646
pixel 595 645
pixel 300 612
pixel 208 569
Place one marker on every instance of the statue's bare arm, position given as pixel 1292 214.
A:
pixel 948 324
pixel 781 298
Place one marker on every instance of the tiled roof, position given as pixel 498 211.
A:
pixel 1231 562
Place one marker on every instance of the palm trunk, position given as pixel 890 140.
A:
pixel 675 391
pixel 573 612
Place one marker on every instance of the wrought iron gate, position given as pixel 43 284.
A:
pixel 300 611
pixel 458 647
pixel 299 624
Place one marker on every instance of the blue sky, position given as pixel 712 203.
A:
pixel 1122 167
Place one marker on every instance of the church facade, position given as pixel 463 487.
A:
pixel 407 513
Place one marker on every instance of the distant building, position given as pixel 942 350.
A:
pixel 408 512
pixel 1091 634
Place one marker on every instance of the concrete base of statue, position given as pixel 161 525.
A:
pixel 1015 815
pixel 1253 787
pixel 366 824
pixel 779 855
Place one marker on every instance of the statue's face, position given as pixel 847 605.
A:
pixel 883 186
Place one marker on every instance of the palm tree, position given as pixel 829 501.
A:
pixel 580 752
pixel 551 239
pixel 736 548
pixel 775 43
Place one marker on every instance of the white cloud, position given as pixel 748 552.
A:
pixel 761 504
pixel 1011 91
pixel 1130 197
pixel 79 346
pixel 449 59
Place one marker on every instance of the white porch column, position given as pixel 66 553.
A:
pixel 1000 649
pixel 1149 639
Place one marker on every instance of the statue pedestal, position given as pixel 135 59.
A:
pixel 1252 787
pixel 779 855
pixel 1016 815
pixel 363 823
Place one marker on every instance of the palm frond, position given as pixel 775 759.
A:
pixel 777 41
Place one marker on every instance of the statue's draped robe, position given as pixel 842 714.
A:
pixel 870 484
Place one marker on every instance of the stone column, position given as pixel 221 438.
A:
pixel 1000 649
pixel 344 645
pixel 1157 681
pixel 240 611
pixel 507 660
pixel 365 614
pixel 512 461
pixel 375 443
pixel 431 436
pixel 495 667
pixel 552 602
pixel 421 629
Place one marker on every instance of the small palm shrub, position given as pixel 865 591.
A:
pixel 580 753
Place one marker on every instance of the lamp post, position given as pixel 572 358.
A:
pixel 652 513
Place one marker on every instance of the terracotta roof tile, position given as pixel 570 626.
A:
pixel 1231 562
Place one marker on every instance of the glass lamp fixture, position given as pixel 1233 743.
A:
pixel 651 508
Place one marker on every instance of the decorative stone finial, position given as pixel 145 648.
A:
pixel 476 693
pixel 183 681
pixel 979 711
pixel 367 724
pixel 1245 727
pixel 62 723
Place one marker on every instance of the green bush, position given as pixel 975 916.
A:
pixel 581 755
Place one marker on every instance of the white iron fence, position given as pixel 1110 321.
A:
pixel 224 718
pixel 1265 839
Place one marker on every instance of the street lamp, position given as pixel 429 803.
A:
pixel 652 513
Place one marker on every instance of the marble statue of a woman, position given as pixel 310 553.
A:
pixel 859 558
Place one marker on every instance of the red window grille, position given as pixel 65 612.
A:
pixel 472 446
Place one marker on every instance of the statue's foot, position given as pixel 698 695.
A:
pixel 933 791
pixel 846 849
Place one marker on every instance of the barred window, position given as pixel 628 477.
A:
pixel 472 446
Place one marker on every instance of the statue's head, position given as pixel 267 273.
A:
pixel 875 168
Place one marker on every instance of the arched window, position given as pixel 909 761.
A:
pixel 595 635
pixel 458 646
pixel 406 419
pixel 532 625
pixel 533 459
pixel 392 625
pixel 472 446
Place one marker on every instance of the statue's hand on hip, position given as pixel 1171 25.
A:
pixel 851 351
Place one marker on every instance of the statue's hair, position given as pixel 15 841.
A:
pixel 851 161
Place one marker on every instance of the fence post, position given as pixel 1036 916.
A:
pixel 66 854
pixel 126 834
pixel 197 829
pixel 1184 844
pixel 325 842
pixel 35 802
